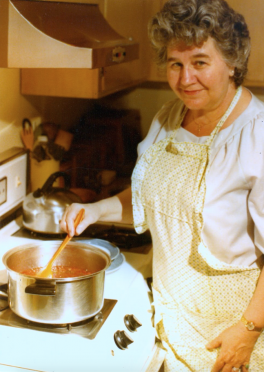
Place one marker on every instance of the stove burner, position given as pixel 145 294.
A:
pixel 125 239
pixel 68 327
pixel 87 328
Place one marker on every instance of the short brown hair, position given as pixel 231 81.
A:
pixel 192 22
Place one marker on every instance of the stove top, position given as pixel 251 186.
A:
pixel 125 238
pixel 88 328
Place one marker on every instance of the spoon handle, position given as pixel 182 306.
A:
pixel 78 219
pixel 47 271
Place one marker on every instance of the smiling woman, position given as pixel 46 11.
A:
pixel 198 187
pixel 188 185
pixel 200 77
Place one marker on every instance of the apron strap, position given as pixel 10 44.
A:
pixel 224 117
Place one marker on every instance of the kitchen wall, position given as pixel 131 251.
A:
pixel 14 107
pixel 147 98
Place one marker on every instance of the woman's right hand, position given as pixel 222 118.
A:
pixel 114 209
pixel 91 215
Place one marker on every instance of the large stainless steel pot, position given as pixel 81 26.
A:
pixel 56 301
pixel 43 208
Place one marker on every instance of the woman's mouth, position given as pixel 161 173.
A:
pixel 191 92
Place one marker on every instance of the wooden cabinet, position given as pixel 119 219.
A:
pixel 128 18
pixel 253 11
pixel 77 1
pixel 156 74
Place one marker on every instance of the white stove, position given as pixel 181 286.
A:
pixel 112 343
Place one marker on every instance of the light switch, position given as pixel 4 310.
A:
pixel 18 181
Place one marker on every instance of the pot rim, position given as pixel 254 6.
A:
pixel 48 243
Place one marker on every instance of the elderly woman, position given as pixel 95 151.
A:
pixel 198 187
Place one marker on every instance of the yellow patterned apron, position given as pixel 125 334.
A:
pixel 196 296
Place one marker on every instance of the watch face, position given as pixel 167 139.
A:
pixel 250 326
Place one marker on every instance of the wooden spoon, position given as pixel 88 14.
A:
pixel 47 271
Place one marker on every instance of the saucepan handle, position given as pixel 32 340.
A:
pixel 3 287
pixel 41 289
pixel 3 297
pixel 3 302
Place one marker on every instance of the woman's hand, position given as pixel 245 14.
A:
pixel 236 345
pixel 91 215
pixel 117 208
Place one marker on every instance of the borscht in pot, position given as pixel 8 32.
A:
pixel 74 293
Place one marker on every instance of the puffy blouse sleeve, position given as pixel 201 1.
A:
pixel 252 164
pixel 162 124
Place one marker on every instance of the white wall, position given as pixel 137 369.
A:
pixel 13 108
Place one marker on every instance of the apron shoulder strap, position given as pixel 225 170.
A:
pixel 224 117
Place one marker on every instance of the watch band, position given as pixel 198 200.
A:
pixel 250 325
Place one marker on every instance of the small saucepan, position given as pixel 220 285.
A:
pixel 59 300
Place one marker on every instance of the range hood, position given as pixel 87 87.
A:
pixel 55 34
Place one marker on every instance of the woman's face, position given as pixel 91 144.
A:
pixel 199 76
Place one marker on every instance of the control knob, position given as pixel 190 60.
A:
pixel 131 322
pixel 122 339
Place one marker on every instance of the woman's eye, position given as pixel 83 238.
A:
pixel 200 63
pixel 176 65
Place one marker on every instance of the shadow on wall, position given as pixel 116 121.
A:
pixel 148 98
pixel 65 112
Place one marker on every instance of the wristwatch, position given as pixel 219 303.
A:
pixel 250 325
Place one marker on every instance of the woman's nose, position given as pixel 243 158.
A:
pixel 187 76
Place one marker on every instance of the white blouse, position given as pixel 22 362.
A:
pixel 234 204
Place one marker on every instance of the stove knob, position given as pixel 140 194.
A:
pixel 122 339
pixel 132 323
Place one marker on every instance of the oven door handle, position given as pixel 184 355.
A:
pixel 41 288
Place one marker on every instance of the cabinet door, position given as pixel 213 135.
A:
pixel 253 11
pixel 78 83
pixel 128 19
pixel 155 74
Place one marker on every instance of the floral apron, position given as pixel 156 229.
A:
pixel 196 296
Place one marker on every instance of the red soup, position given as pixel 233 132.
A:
pixel 60 272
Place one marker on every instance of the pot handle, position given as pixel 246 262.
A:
pixel 46 188
pixel 41 289
pixel 3 287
